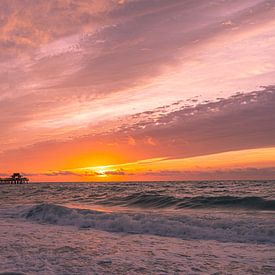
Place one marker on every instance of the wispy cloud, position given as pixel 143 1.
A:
pixel 243 121
pixel 134 79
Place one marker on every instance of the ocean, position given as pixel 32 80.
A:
pixel 196 227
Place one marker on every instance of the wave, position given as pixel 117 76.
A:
pixel 156 200
pixel 224 229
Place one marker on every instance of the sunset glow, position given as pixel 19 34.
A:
pixel 137 90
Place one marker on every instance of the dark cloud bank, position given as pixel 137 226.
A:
pixel 243 121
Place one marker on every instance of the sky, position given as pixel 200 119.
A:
pixel 132 90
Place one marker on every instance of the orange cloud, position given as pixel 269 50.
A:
pixel 245 164
pixel 96 83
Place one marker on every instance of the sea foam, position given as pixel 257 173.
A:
pixel 224 229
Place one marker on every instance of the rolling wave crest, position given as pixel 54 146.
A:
pixel 225 229
pixel 162 201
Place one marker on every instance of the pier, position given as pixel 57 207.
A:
pixel 16 178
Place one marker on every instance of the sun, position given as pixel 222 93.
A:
pixel 101 173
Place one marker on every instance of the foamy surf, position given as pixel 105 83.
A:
pixel 33 248
pixel 226 228
pixel 144 227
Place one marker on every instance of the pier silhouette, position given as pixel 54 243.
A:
pixel 16 178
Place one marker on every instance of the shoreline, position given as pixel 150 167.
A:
pixel 33 248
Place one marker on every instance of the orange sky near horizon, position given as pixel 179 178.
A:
pixel 131 90
pixel 215 166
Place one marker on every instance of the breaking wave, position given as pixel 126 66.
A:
pixel 161 201
pixel 224 229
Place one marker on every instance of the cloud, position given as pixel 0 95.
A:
pixel 73 73
pixel 66 53
pixel 247 173
pixel 26 25
pixel 115 173
pixel 85 174
pixel 265 173
pixel 243 121
pixel 239 122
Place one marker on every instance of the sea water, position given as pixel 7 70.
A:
pixel 194 223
